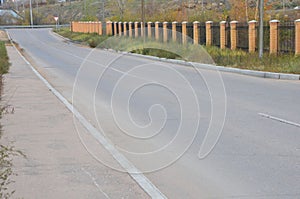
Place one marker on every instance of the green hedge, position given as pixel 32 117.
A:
pixel 4 64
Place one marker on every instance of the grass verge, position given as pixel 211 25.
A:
pixel 91 39
pixel 281 63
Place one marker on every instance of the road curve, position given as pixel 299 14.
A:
pixel 160 116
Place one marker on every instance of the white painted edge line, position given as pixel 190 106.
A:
pixel 140 179
pixel 279 119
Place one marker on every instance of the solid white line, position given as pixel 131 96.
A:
pixel 95 182
pixel 279 119
pixel 137 175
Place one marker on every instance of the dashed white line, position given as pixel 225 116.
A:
pixel 279 119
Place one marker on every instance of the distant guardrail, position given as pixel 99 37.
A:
pixel 34 26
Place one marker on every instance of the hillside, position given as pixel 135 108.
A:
pixel 158 10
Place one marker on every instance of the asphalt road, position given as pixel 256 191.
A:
pixel 194 133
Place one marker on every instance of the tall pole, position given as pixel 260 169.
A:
pixel 31 18
pixel 261 29
pixel 143 11
pixel 103 11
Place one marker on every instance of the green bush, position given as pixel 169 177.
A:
pixel 4 64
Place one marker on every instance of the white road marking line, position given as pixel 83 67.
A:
pixel 137 175
pixel 95 182
pixel 279 119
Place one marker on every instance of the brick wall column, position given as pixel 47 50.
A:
pixel 130 29
pixel 165 31
pixel 149 31
pixel 297 39
pixel 100 30
pixel 78 26
pixel 87 24
pixel 108 28
pixel 82 26
pixel 252 35
pixel 82 29
pixel 274 36
pixel 91 28
pixel 184 32
pixel 72 26
pixel 142 29
pixel 222 34
pixel 174 31
pixel 233 34
pixel 120 28
pixel 125 28
pixel 94 25
pixel 116 28
pixel 208 26
pixel 136 29
pixel 86 27
pixel 196 32
pixel 157 30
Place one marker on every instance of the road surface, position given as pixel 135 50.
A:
pixel 166 118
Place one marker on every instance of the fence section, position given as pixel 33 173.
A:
pixel 281 37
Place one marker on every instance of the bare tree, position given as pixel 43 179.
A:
pixel 121 4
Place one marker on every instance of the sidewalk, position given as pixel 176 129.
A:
pixel 57 164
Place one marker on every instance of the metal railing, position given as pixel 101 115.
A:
pixel 33 26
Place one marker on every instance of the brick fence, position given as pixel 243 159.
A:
pixel 279 37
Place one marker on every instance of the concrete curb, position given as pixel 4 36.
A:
pixel 261 74
pixel 255 73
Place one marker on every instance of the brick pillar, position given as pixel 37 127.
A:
pixel 274 36
pixel 95 25
pixel 208 25
pixel 125 28
pixel 252 36
pixel 142 29
pixel 86 26
pixel 222 34
pixel 233 34
pixel 82 26
pixel 196 32
pixel 165 31
pixel 91 28
pixel 157 30
pixel 96 28
pixel 115 28
pixel 108 28
pixel 149 31
pixel 100 30
pixel 130 29
pixel 136 29
pixel 74 26
pixel 78 26
pixel 297 39
pixel 174 31
pixel 184 32
pixel 120 28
